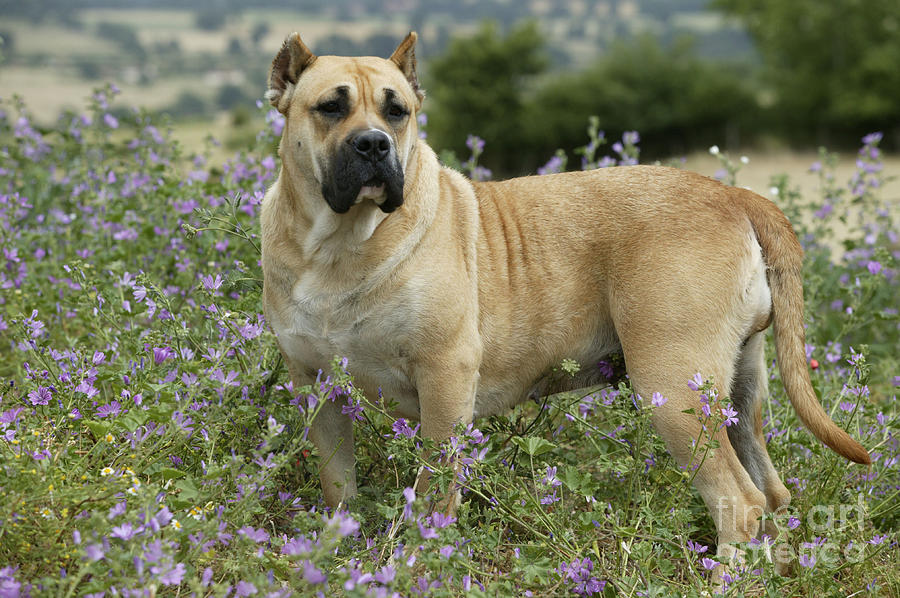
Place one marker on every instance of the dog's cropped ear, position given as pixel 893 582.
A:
pixel 291 60
pixel 405 58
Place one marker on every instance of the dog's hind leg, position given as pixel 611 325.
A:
pixel 749 388
pixel 733 499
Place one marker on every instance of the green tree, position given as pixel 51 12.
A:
pixel 676 101
pixel 480 86
pixel 259 32
pixel 124 35
pixel 832 65
pixel 210 19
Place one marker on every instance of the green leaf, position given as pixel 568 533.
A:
pixel 169 473
pixel 188 493
pixel 98 429
pixel 576 481
pixel 666 567
pixel 132 420
pixel 161 413
pixel 533 445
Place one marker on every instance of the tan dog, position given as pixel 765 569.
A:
pixel 455 298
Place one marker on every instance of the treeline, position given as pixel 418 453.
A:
pixel 828 74
pixel 498 87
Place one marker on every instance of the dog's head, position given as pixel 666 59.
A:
pixel 350 122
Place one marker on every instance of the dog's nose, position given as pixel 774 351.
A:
pixel 373 145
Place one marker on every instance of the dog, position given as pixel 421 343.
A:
pixel 454 298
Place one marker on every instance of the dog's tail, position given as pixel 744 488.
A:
pixel 784 258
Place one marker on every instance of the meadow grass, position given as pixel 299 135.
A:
pixel 151 443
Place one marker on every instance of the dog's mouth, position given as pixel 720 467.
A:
pixel 351 180
pixel 373 189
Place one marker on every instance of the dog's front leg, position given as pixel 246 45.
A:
pixel 446 398
pixel 332 434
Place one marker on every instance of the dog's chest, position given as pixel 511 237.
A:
pixel 374 337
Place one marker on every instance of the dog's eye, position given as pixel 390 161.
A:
pixel 396 111
pixel 330 108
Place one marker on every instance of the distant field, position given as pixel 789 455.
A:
pixel 55 85
pixel 56 41
pixel 43 74
pixel 163 20
pixel 47 92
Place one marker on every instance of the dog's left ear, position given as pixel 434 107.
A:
pixel 405 59
pixel 291 60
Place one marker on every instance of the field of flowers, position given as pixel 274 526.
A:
pixel 151 444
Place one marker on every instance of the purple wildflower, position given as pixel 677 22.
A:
pixel 426 532
pixel 353 408
pixel 94 552
pixel 402 430
pixel 257 535
pixel 475 143
pixel 163 517
pixel 549 499
pixel 554 165
pixel 110 410
pixel 697 547
pixel 730 416
pixel 10 416
pixel 657 400
pixel 704 406
pixel 385 575
pixel 124 532
pixel 708 563
pixel 117 509
pixel 297 547
pixel 41 396
pixel 173 575
pixel 872 138
pixel 579 575
pixel 211 284
pixel 550 479
pixel 161 354
pixel 343 523
pixel 276 121
pixel 696 382
pixel 410 495
pixel 439 520
pixel 9 586
pixel 312 574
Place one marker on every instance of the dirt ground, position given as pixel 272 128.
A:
pixel 762 165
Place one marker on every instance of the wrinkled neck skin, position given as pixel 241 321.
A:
pixel 353 245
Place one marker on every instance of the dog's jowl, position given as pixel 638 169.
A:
pixel 454 298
